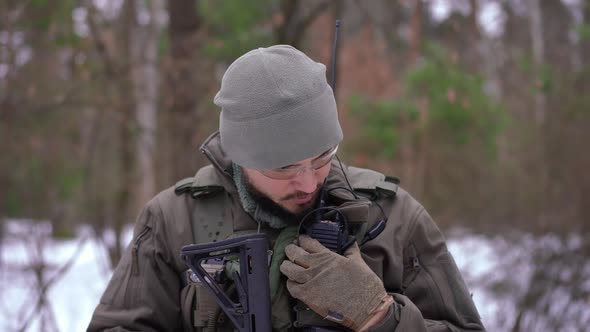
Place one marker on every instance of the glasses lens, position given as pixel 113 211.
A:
pixel 290 172
pixel 281 174
pixel 325 158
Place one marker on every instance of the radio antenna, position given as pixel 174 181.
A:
pixel 335 55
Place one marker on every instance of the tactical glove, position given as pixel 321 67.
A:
pixel 340 288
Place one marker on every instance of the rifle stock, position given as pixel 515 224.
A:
pixel 252 312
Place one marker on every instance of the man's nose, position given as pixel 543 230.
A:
pixel 307 181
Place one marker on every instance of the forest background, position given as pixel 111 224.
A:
pixel 480 107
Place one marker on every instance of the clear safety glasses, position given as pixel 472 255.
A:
pixel 292 171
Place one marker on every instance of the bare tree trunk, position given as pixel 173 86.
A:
pixel 586 43
pixel 536 26
pixel 126 128
pixel 486 52
pixel 295 20
pixel 131 67
pixel 416 32
pixel 7 52
pixel 182 89
pixel 92 127
pixel 576 61
pixel 416 167
pixel 284 31
pixel 541 150
pixel 585 189
pixel 7 105
pixel 146 79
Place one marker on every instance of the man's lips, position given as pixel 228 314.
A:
pixel 302 199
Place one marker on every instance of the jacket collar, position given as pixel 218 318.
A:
pixel 211 148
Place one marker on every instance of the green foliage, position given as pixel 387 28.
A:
pixel 69 179
pixel 34 169
pixel 525 63
pixel 544 79
pixel 237 26
pixel 382 122
pixel 25 185
pixel 42 15
pixel 37 182
pixel 12 204
pixel 441 101
pixel 51 20
pixel 456 98
pixel 163 44
pixel 64 40
pixel 583 31
pixel 44 172
pixel 541 77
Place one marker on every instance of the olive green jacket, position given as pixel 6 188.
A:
pixel 148 292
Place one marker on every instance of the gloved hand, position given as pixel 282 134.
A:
pixel 340 288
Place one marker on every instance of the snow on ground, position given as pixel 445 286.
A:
pixel 550 272
pixel 75 294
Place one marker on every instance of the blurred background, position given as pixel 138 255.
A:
pixel 480 107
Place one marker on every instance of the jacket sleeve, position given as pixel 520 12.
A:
pixel 143 293
pixel 435 296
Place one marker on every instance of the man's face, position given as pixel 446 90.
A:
pixel 297 194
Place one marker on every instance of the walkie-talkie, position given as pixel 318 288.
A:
pixel 330 229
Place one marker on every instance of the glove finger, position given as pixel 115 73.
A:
pixel 301 292
pixel 311 245
pixel 294 272
pixel 297 255
pixel 297 290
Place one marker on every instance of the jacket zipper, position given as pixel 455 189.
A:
pixel 415 268
pixel 415 263
pixel 135 251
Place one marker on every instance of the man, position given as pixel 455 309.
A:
pixel 272 163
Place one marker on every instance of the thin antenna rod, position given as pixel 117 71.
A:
pixel 335 56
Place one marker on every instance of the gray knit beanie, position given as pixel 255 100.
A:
pixel 276 109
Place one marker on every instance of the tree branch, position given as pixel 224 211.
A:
pixel 101 46
pixel 41 301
